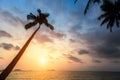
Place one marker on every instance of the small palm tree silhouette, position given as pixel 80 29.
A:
pixel 111 13
pixel 41 19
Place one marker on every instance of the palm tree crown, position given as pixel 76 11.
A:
pixel 40 19
pixel 111 13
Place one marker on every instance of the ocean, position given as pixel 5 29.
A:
pixel 63 75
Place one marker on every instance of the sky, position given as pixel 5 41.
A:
pixel 78 43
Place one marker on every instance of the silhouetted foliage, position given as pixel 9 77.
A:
pixel 40 19
pixel 111 12
pixel 89 3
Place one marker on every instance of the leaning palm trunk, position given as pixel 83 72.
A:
pixel 9 68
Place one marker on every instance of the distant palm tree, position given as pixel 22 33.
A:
pixel 111 13
pixel 41 18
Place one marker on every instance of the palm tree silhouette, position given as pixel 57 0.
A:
pixel 111 13
pixel 40 19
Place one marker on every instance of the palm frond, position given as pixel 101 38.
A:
pixel 39 11
pixel 110 24
pixel 40 19
pixel 111 13
pixel 51 27
pixel 107 6
pixel 117 22
pixel 29 25
pixel 89 3
pixel 31 16
pixel 87 7
pixel 102 16
pixel 98 1
pixel 104 21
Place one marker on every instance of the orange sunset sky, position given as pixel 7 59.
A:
pixel 77 43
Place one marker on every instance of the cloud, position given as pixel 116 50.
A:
pixel 106 45
pixel 72 58
pixel 8 46
pixel 46 35
pixel 11 19
pixel 17 48
pixel 57 35
pixel 83 52
pixel 97 61
pixel 99 43
pixel 97 40
pixel 4 34
pixel 75 59
pixel 42 38
pixel 115 61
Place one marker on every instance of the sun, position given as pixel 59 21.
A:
pixel 43 60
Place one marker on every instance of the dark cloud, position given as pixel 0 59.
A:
pixel 107 51
pixel 97 61
pixel 105 45
pixel 83 52
pixel 4 34
pixel 115 61
pixel 8 46
pixel 100 43
pixel 97 40
pixel 73 58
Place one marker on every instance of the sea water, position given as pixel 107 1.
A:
pixel 63 75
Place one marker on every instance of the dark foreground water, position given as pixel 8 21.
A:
pixel 63 75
